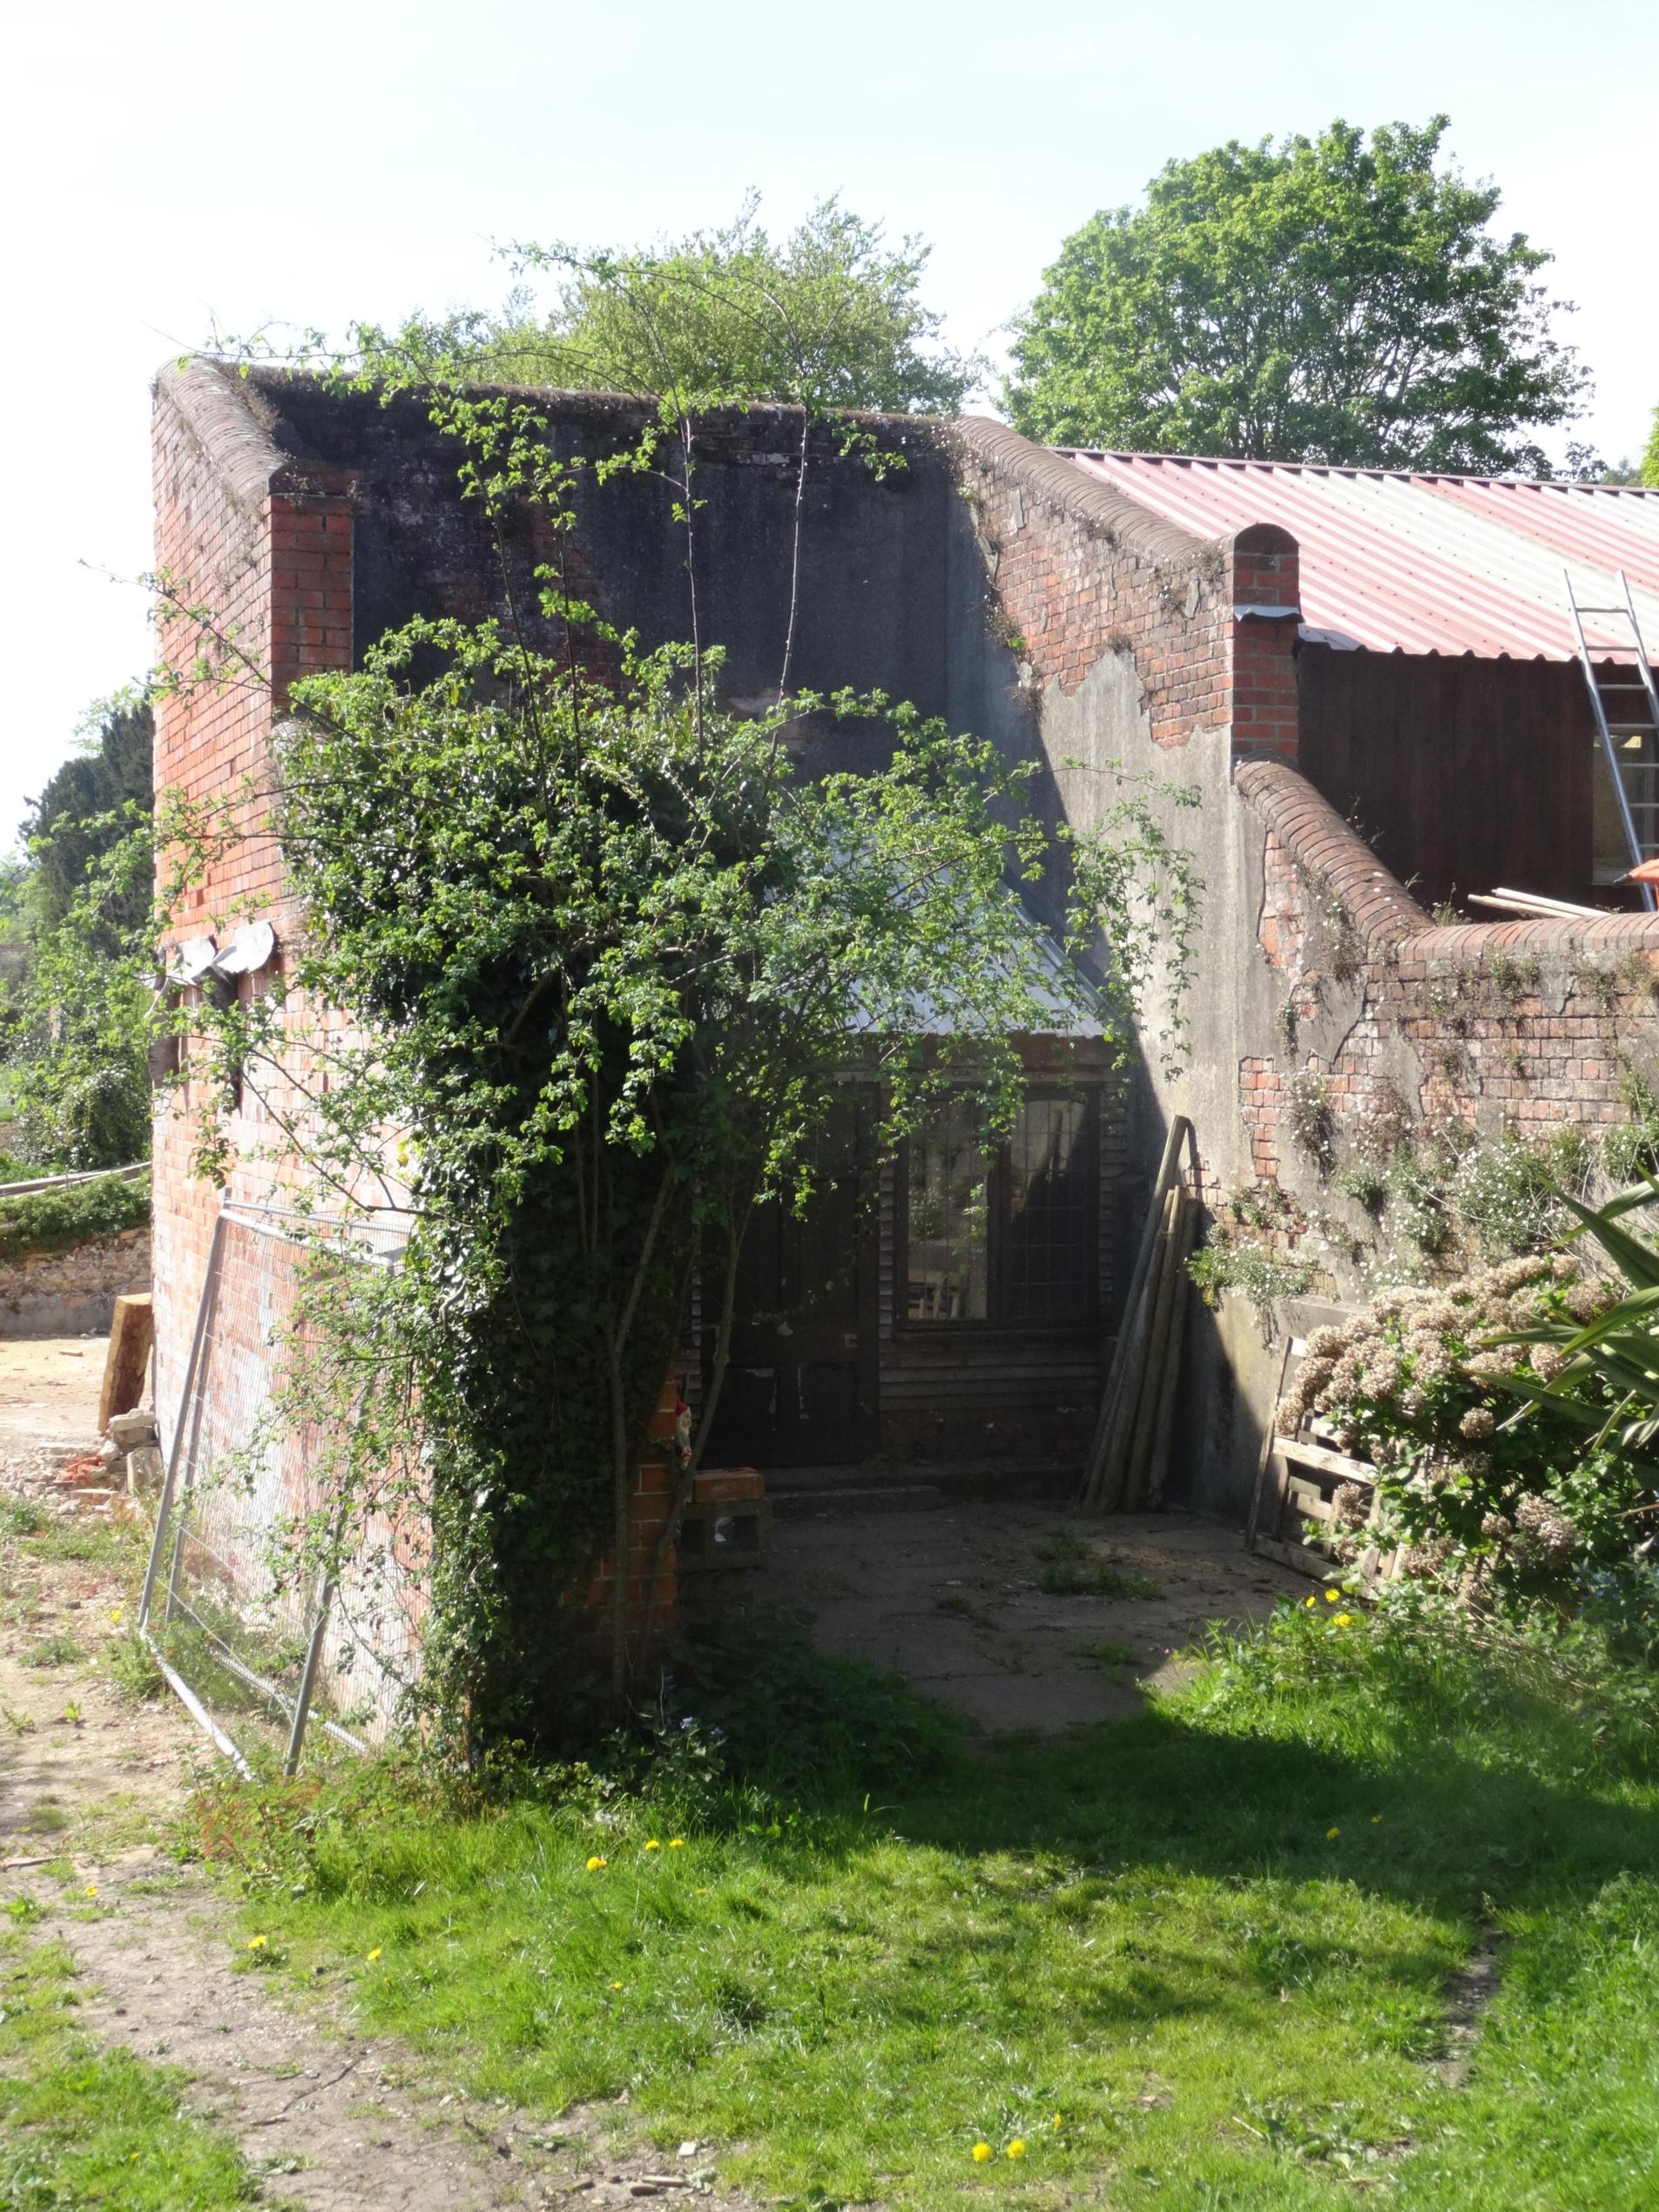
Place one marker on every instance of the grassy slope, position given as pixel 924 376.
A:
pixel 1141 1953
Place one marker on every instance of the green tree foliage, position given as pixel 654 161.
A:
pixel 1650 470
pixel 75 989
pixel 81 812
pixel 75 1022
pixel 1334 299
pixel 829 317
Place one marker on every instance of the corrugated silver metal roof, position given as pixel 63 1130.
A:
pixel 1420 563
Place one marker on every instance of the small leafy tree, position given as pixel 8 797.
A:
pixel 1648 474
pixel 829 317
pixel 1334 299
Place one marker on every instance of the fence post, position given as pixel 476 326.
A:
pixel 308 1675
pixel 204 1306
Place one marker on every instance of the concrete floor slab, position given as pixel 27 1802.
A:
pixel 954 1601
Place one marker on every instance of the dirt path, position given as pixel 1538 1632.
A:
pixel 49 1389
pixel 330 2117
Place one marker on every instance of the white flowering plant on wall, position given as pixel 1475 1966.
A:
pixel 1501 1464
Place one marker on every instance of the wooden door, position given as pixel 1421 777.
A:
pixel 801 1389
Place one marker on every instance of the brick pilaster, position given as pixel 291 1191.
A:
pixel 648 1511
pixel 1265 576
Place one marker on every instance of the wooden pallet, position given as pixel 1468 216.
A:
pixel 1296 1485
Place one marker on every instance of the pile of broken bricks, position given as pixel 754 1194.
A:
pixel 127 1466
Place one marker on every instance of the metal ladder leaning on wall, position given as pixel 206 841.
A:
pixel 1635 783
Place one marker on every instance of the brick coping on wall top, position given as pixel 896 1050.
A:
pixel 1056 484
pixel 1379 908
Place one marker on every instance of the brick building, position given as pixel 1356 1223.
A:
pixel 1369 679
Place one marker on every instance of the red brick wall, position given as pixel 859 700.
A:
pixel 648 1513
pixel 1265 573
pixel 256 592
pixel 1079 572
pixel 1531 1025
pixel 255 557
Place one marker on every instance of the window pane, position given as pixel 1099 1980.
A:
pixel 948 1209
pixel 1049 1265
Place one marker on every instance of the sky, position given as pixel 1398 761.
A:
pixel 170 172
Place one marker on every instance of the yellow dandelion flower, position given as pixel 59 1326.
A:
pixel 653 1844
pixel 90 1890
pixel 615 1985
pixel 1331 1835
pixel 1310 1601
pixel 372 1955
pixel 1016 2149
pixel 981 2152
pixel 1059 2120
pixel 1343 1619
pixel 677 1842
pixel 699 1893
pixel 596 1864
pixel 119 1614
pixel 258 1942
pixel 1333 1597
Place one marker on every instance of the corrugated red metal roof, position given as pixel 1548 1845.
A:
pixel 1420 563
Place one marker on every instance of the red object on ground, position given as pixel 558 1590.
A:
pixel 85 1467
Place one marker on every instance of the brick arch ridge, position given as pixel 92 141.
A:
pixel 214 404
pixel 1380 909
pixel 1044 476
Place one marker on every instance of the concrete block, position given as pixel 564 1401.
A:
pixel 146 1471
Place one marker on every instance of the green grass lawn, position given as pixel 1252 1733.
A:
pixel 1197 1959
pixel 80 2128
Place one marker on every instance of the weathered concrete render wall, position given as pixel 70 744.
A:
pixel 1137 671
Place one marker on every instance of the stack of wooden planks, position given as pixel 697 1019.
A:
pixel 1129 1458
pixel 1294 1513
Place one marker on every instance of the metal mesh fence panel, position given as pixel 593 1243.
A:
pixel 263 1644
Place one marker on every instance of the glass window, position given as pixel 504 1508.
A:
pixel 1005 1234
pixel 1050 1193
pixel 949 1205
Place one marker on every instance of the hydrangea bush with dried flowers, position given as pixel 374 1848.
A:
pixel 1507 1498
